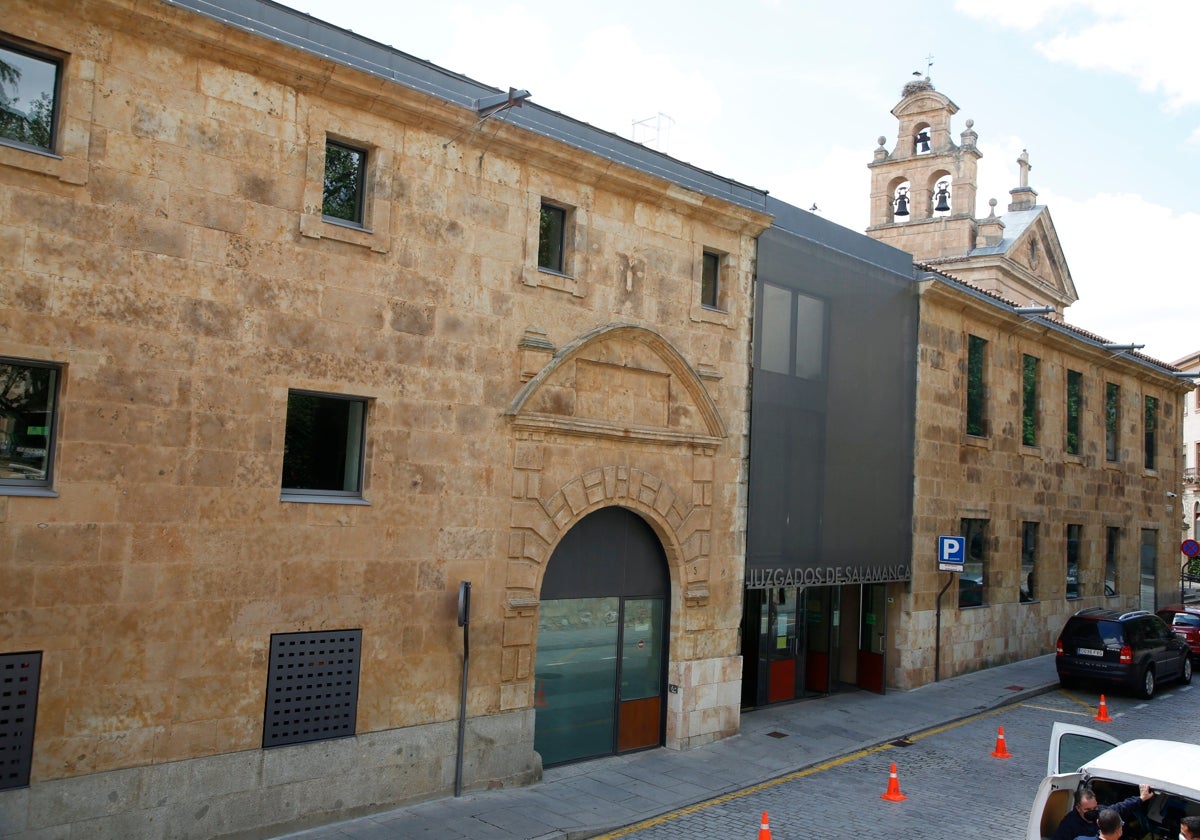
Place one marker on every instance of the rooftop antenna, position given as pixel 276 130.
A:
pixel 654 132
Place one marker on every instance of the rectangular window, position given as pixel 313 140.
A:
pixel 810 337
pixel 1074 410
pixel 976 387
pixel 323 446
pixel 345 183
pixel 1029 398
pixel 1112 556
pixel 28 409
pixel 29 98
pixel 1029 539
pixel 792 334
pixel 552 238
pixel 710 281
pixel 1112 420
pixel 970 582
pixel 1074 535
pixel 1150 426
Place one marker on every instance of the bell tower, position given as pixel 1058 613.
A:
pixel 923 191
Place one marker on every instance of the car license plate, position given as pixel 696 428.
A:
pixel 1089 652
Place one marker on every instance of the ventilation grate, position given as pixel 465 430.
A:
pixel 312 687
pixel 19 676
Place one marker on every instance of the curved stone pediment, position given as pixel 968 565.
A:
pixel 620 381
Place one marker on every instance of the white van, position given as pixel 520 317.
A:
pixel 1115 770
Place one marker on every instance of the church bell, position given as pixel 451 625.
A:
pixel 943 197
pixel 902 201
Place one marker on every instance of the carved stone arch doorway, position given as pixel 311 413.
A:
pixel 602 640
pixel 619 419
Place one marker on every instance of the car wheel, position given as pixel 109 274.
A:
pixel 1148 685
pixel 1068 682
pixel 1186 676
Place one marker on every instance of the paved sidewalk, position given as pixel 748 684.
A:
pixel 582 800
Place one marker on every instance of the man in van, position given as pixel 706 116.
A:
pixel 1081 821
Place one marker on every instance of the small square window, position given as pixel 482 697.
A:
pixel 552 238
pixel 29 98
pixel 323 446
pixel 28 405
pixel 345 183
pixel 710 281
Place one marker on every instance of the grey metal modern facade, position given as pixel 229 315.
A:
pixel 831 446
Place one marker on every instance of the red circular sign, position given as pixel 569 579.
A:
pixel 1190 547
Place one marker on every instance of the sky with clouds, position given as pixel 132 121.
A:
pixel 791 97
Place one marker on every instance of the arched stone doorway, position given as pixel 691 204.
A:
pixel 602 640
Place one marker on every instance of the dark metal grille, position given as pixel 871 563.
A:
pixel 312 686
pixel 19 675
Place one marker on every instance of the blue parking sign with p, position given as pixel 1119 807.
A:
pixel 952 553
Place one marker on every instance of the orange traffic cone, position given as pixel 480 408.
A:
pixel 1001 750
pixel 893 791
pixel 1102 715
pixel 539 699
pixel 764 830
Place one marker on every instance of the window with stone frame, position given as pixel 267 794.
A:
pixel 1150 428
pixel 1029 400
pixel 1112 421
pixel 30 85
pixel 552 238
pixel 344 196
pixel 971 581
pixel 977 386
pixel 710 283
pixel 1074 443
pixel 1074 539
pixel 324 446
pixel 28 425
pixel 1029 544
pixel 1112 558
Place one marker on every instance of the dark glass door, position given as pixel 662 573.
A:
pixel 872 636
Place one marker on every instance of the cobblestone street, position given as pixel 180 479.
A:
pixel 954 787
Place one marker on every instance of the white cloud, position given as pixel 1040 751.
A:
pixel 1127 260
pixel 1152 43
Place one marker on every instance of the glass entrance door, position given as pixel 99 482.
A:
pixel 639 722
pixel 591 701
pixel 576 672
pixel 821 614
pixel 872 635
pixel 781 643
pixel 602 640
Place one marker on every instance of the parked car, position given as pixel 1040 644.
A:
pixel 1185 621
pixel 1115 770
pixel 1134 649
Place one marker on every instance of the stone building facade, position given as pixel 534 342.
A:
pixel 1189 498
pixel 1048 449
pixel 299 335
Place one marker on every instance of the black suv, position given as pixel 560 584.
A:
pixel 1136 649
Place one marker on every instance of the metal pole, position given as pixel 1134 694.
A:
pixel 937 646
pixel 464 621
